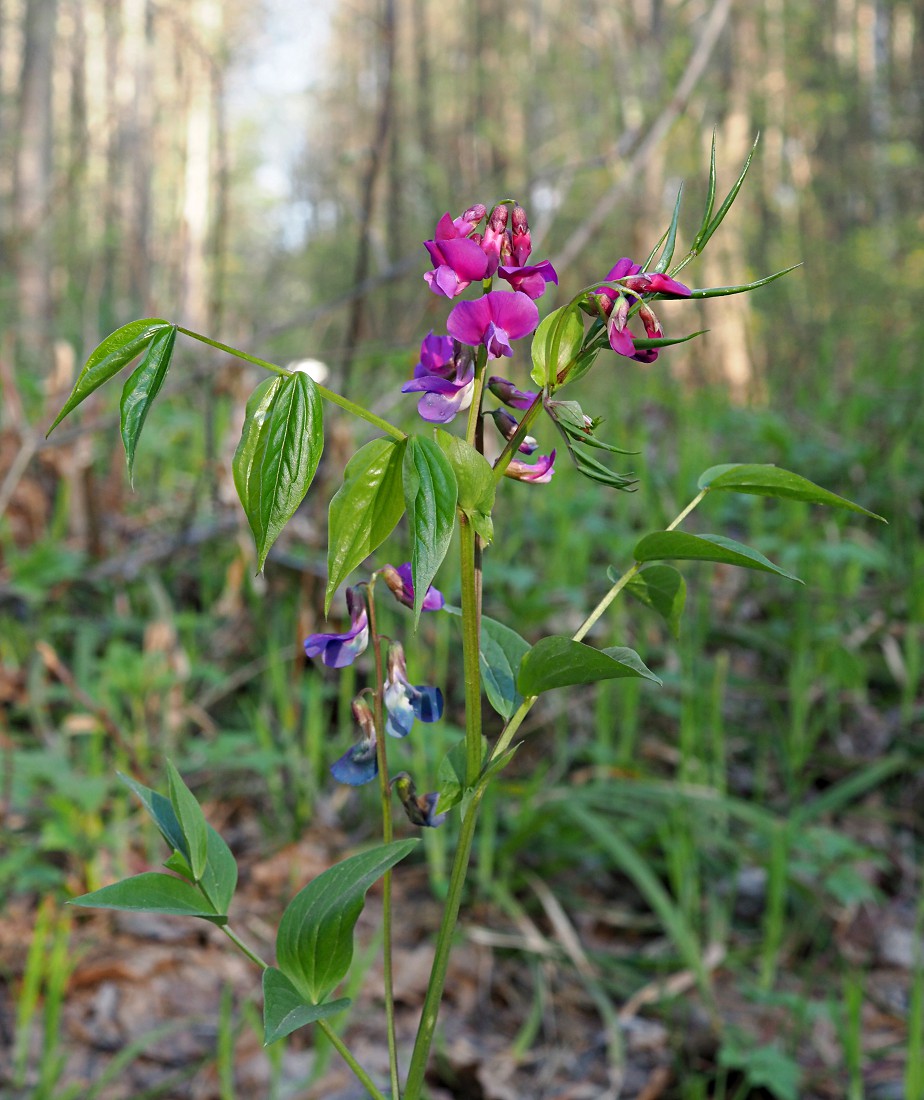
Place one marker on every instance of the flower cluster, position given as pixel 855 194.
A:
pixel 403 702
pixel 616 307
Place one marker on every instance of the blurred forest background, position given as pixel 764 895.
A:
pixel 736 910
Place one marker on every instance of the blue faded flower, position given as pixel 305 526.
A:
pixel 401 583
pixel 339 650
pixel 359 764
pixel 420 809
pixel 403 701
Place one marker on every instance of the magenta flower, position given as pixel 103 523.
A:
pixel 446 375
pixel 520 243
pixel 496 240
pixel 646 282
pixel 401 583
pixel 340 650
pixel 507 426
pixel 458 260
pixel 403 701
pixel 457 264
pixel 530 280
pixel 420 809
pixel 537 472
pixel 359 764
pixel 494 320
pixel 507 392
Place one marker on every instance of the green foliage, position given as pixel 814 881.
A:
pixel 285 1010
pixel 661 588
pixel 560 662
pixel 115 352
pixel 430 494
pixel 502 651
pixel 276 459
pixel 365 510
pixel 142 387
pixel 314 944
pixel 677 545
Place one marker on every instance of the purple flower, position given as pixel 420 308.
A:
pixel 339 650
pixel 359 764
pixel 458 260
pixel 507 392
pixel 457 264
pixel 507 426
pixel 420 809
pixel 622 268
pixel 401 583
pixel 496 241
pixel 494 320
pixel 446 375
pixel 530 280
pixel 521 245
pixel 537 472
pixel 404 702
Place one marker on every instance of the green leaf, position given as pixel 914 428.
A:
pixel 743 288
pixel 142 387
pixel 430 494
pixel 678 546
pixel 258 404
pixel 661 588
pixel 710 198
pixel 364 510
pixel 596 471
pixel 665 341
pixel 314 945
pixel 283 452
pixel 162 812
pixel 668 254
pixel 560 662
pixel 177 863
pixel 501 652
pixel 450 775
pixel 117 350
pixel 192 822
pixel 219 879
pixel 474 476
pixel 702 238
pixel 557 341
pixel 285 1009
pixel 771 481
pixel 152 892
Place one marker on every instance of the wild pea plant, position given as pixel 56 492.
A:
pixel 440 480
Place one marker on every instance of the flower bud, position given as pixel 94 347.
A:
pixel 521 244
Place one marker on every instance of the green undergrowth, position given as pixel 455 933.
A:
pixel 783 749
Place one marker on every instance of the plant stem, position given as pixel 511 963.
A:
pixel 418 1066
pixel 328 395
pixel 387 835
pixel 241 946
pixel 344 1051
pixel 517 438
pixel 516 719
pixel 471 614
pixel 335 1040
pixel 474 410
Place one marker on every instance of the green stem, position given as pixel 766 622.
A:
pixel 471 613
pixel 516 719
pixel 344 1051
pixel 241 946
pixel 419 1058
pixel 332 1035
pixel 328 395
pixel 387 835
pixel 474 410
pixel 517 438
